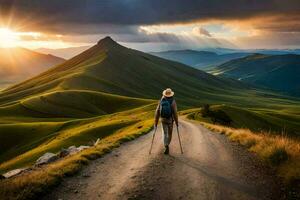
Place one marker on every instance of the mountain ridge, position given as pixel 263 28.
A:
pixel 277 72
pixel 199 59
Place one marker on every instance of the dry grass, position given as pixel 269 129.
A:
pixel 279 151
pixel 32 184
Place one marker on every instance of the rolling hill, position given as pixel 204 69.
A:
pixel 108 91
pixel 17 64
pixel 277 72
pixel 199 59
pixel 254 119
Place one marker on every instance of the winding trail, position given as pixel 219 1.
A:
pixel 210 168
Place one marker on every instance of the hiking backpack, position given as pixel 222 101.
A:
pixel 166 108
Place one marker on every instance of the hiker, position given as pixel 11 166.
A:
pixel 167 111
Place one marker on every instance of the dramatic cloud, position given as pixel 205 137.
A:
pixel 270 40
pixel 85 21
pixel 279 23
pixel 59 15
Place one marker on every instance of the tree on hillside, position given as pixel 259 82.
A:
pixel 205 110
pixel 220 117
pixel 216 115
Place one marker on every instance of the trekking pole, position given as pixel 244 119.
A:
pixel 179 140
pixel 152 139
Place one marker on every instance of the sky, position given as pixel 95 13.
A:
pixel 151 25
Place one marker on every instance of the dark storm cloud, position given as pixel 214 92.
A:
pixel 89 16
pixel 280 24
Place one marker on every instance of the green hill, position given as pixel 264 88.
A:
pixel 21 143
pixel 255 119
pixel 278 72
pixel 69 103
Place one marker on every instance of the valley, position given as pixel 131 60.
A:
pixel 109 92
pixel 277 72
pixel 84 92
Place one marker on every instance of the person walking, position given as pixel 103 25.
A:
pixel 167 111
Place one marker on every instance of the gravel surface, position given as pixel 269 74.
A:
pixel 210 168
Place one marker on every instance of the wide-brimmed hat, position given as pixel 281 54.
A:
pixel 168 92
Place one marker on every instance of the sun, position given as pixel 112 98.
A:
pixel 8 38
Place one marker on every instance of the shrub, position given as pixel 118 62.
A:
pixel 216 116
pixel 220 117
pixel 205 110
pixel 278 156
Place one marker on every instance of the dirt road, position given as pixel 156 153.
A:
pixel 210 168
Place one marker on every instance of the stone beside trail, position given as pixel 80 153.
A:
pixel 46 159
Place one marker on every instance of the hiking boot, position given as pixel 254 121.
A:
pixel 166 149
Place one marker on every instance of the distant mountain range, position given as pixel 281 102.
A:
pixel 199 59
pixel 278 72
pixel 17 64
pixel 252 51
pixel 65 53
pixel 210 57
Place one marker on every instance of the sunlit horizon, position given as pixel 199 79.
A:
pixel 191 36
pixel 33 40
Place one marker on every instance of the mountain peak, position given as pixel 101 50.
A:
pixel 107 41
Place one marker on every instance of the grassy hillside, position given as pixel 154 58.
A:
pixel 278 72
pixel 278 151
pixel 255 119
pixel 258 131
pixel 22 143
pixel 69 104
pixel 31 185
pixel 199 59
pixel 17 64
